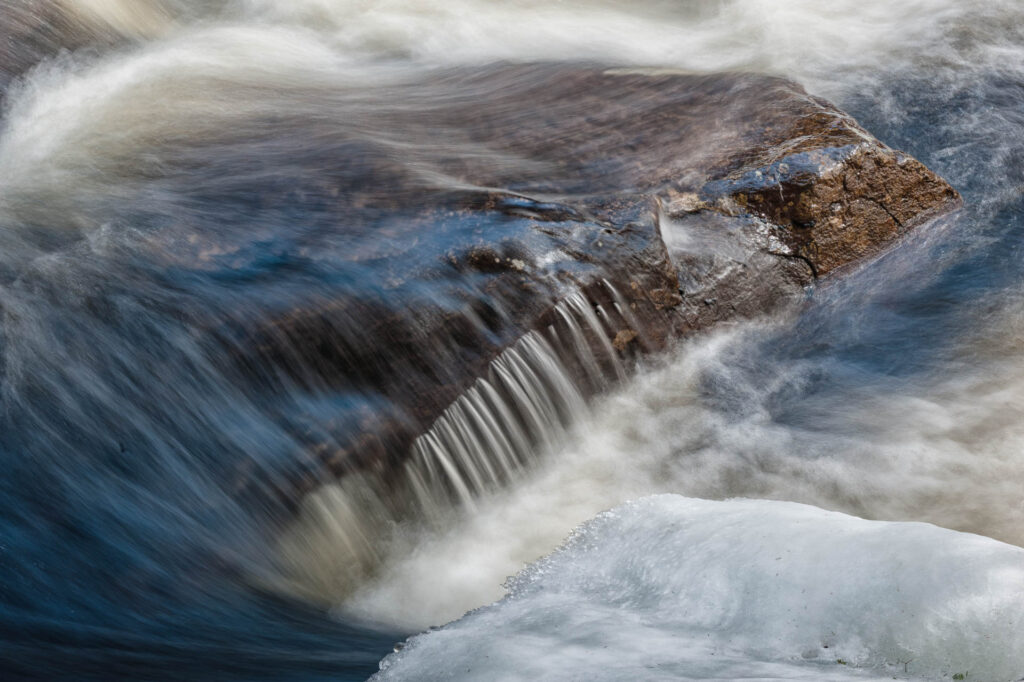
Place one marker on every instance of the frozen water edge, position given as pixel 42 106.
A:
pixel 670 587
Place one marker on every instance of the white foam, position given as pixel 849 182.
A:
pixel 802 39
pixel 943 450
pixel 792 37
pixel 72 127
pixel 195 69
pixel 677 588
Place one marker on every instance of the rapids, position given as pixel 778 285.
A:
pixel 160 165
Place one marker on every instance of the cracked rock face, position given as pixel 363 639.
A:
pixel 836 204
pixel 471 202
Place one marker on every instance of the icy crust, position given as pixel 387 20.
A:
pixel 670 588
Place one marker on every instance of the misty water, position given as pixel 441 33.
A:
pixel 160 187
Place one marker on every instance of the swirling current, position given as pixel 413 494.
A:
pixel 165 179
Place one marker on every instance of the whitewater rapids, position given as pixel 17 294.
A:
pixel 132 159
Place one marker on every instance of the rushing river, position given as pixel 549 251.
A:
pixel 156 169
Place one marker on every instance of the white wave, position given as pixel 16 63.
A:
pixel 78 134
pixel 77 128
pixel 676 588
pixel 803 39
pixel 787 37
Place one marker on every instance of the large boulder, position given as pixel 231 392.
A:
pixel 487 199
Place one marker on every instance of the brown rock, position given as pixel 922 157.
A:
pixel 836 204
pixel 673 200
pixel 623 338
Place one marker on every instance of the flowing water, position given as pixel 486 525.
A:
pixel 160 170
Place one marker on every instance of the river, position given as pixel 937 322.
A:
pixel 148 185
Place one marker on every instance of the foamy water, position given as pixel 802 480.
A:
pixel 942 450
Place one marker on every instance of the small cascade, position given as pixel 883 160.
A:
pixel 601 331
pixel 487 438
pixel 341 525
pixel 621 305
pixel 531 394
pixel 494 429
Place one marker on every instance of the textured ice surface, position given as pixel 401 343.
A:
pixel 670 587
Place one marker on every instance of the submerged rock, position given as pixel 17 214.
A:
pixel 480 200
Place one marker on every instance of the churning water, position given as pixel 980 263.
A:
pixel 161 166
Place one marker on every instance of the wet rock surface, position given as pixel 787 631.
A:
pixel 437 219
pixel 484 197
